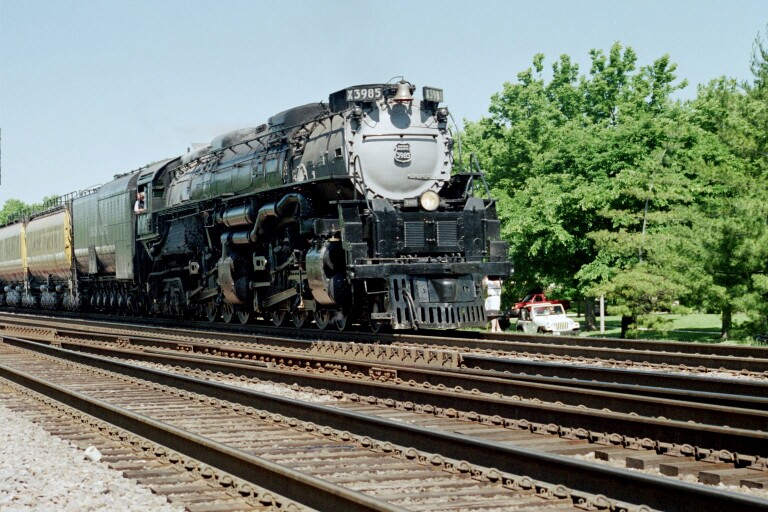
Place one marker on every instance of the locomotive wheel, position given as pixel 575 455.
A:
pixel 279 318
pixel 376 325
pixel 243 316
pixel 340 320
pixel 299 318
pixel 227 312
pixel 211 311
pixel 323 318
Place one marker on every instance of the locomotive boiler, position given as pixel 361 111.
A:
pixel 337 212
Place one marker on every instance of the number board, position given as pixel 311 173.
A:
pixel 432 94
pixel 364 94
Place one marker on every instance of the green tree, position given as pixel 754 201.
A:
pixel 14 208
pixel 11 208
pixel 732 221
pixel 574 162
pixel 756 301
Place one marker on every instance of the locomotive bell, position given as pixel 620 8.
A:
pixel 403 93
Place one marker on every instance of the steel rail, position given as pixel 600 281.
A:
pixel 585 371
pixel 458 339
pixel 309 490
pixel 748 394
pixel 577 373
pixel 660 493
pixel 682 347
pixel 701 388
pixel 665 430
pixel 734 363
pixel 569 393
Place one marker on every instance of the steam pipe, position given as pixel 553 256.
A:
pixel 290 208
pixel 265 212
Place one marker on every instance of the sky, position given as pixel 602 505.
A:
pixel 94 88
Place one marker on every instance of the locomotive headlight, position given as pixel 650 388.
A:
pixel 356 113
pixel 429 200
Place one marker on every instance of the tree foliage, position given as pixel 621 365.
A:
pixel 14 208
pixel 607 185
pixel 733 218
pixel 11 208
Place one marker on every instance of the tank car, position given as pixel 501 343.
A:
pixel 349 210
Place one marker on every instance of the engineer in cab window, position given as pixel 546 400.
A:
pixel 138 206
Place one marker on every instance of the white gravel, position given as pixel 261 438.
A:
pixel 43 473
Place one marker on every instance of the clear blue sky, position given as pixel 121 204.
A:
pixel 93 88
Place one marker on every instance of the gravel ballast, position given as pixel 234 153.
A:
pixel 41 472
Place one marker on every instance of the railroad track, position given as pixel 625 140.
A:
pixel 180 480
pixel 569 439
pixel 609 413
pixel 319 465
pixel 688 399
pixel 484 348
pixel 540 355
pixel 399 359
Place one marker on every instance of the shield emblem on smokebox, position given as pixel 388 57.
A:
pixel 403 153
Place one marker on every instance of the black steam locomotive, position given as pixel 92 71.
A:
pixel 337 212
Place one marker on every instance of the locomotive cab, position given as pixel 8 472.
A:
pixel 152 182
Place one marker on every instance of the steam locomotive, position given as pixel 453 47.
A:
pixel 338 212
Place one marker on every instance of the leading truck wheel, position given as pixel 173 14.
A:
pixel 376 324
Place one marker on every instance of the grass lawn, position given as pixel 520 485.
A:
pixel 697 327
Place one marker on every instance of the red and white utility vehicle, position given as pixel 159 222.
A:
pixel 545 318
